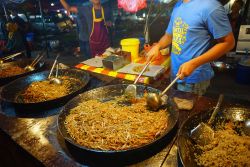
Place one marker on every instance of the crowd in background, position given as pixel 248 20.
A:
pixel 13 32
pixel 13 35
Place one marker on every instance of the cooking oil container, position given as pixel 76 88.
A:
pixel 131 45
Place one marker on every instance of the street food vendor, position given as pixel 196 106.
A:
pixel 98 19
pixel 15 42
pixel 193 27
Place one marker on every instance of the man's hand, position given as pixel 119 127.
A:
pixel 153 53
pixel 186 69
pixel 68 8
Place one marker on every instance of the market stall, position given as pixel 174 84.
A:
pixel 37 133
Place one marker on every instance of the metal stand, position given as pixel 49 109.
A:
pixel 5 13
pixel 44 28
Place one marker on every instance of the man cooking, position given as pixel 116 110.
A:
pixel 193 27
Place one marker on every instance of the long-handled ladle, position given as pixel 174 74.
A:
pixel 54 80
pixel 154 100
pixel 130 91
pixel 31 67
pixel 9 57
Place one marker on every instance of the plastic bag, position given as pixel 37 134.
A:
pixel 132 5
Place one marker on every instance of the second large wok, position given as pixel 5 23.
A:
pixel 186 146
pixel 21 63
pixel 120 157
pixel 11 91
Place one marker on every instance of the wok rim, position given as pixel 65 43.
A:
pixel 41 64
pixel 71 141
pixel 47 101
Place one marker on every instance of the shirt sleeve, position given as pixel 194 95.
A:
pixel 218 23
pixel 169 29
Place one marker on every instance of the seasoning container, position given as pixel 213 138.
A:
pixel 131 45
pixel 113 62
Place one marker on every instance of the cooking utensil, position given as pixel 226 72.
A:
pixel 203 134
pixel 10 92
pixel 154 100
pixel 130 91
pixel 33 64
pixel 113 62
pixel 56 80
pixel 111 156
pixel 9 57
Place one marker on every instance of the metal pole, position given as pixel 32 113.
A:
pixel 45 36
pixel 5 12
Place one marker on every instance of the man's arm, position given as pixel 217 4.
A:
pixel 165 41
pixel 224 45
pixel 68 7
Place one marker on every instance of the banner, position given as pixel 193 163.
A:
pixel 132 5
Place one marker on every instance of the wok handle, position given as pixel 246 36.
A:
pixel 216 109
pixel 145 67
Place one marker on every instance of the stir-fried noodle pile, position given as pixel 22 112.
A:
pixel 11 71
pixel 227 149
pixel 110 126
pixel 44 90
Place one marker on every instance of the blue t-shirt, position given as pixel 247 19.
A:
pixel 193 26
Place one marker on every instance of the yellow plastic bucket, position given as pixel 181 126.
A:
pixel 131 45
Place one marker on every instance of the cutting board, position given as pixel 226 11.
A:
pixel 94 62
pixel 154 70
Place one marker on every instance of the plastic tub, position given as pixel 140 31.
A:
pixel 131 45
pixel 243 73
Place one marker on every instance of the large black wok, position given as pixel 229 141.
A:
pixel 186 149
pixel 10 91
pixel 116 158
pixel 21 63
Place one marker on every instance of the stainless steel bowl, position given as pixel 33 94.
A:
pixel 221 66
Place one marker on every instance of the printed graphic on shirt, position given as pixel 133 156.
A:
pixel 179 35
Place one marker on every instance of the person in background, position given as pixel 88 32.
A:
pixel 15 42
pixel 82 30
pixel 193 26
pixel 23 28
pixel 3 32
pixel 97 18
pixel 235 17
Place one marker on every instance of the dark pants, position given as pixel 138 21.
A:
pixel 85 50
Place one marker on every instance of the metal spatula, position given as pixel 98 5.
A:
pixel 130 91
pixel 203 134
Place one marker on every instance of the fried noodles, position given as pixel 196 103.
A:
pixel 227 149
pixel 43 90
pixel 139 68
pixel 11 71
pixel 110 126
